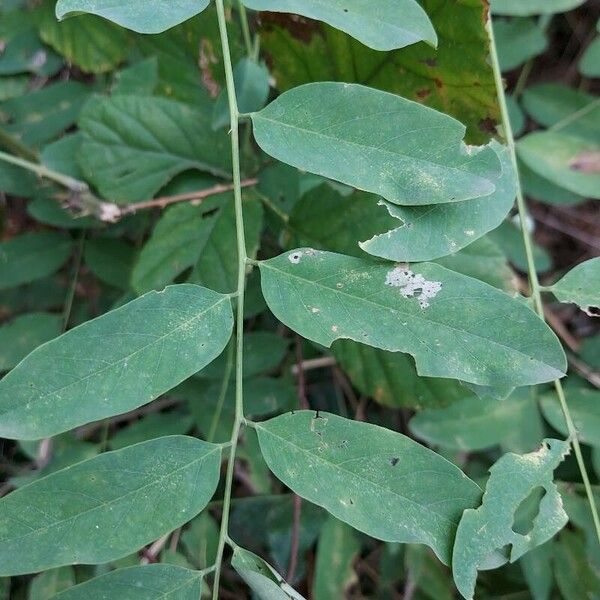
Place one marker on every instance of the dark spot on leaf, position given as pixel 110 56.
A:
pixel 422 94
pixel 488 125
pixel 351 501
pixel 394 461
pixel 430 62
pixel 438 83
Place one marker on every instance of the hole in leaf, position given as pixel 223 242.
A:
pixel 527 511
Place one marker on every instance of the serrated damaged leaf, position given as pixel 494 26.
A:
pixel 490 528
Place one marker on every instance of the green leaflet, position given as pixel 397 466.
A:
pixel 519 8
pixel 261 577
pixel 24 334
pixel 571 111
pixel 89 42
pixel 453 325
pixel 518 40
pixel 337 548
pixel 378 481
pixel 455 78
pixel 116 362
pixel 388 25
pixel 97 510
pixel 476 424
pixel 252 91
pixel 134 145
pixel 138 15
pixel 429 232
pixel 149 582
pixel 581 285
pixel 32 256
pixel 375 141
pixel 584 405
pixel 489 528
pixel 566 160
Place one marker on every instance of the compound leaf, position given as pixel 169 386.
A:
pixel 453 325
pixel 116 362
pixel 388 25
pixel 377 142
pixel 581 285
pixel 489 528
pixel 378 481
pixel 138 15
pixel 106 507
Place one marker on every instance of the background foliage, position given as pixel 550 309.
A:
pixel 116 433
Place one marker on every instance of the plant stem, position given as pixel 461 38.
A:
pixel 72 184
pixel 246 29
pixel 533 278
pixel 222 394
pixel 241 286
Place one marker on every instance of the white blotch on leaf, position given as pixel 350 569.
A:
pixel 413 285
pixel 295 257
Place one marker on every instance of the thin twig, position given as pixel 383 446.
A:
pixel 165 201
pixel 313 363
